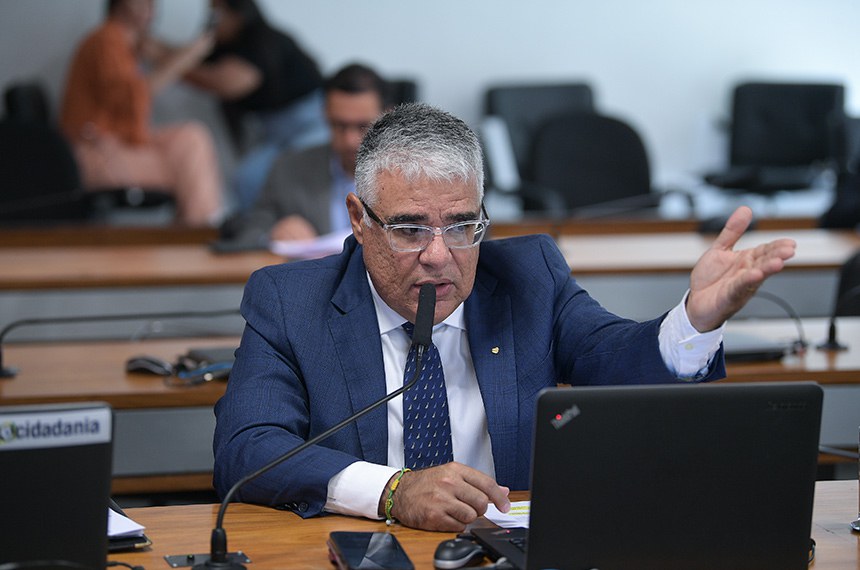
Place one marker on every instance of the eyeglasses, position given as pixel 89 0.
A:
pixel 342 127
pixel 416 237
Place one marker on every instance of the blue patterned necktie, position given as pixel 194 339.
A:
pixel 426 428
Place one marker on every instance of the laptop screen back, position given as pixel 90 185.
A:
pixel 55 462
pixel 675 476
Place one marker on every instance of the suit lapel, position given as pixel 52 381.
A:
pixel 491 341
pixel 354 329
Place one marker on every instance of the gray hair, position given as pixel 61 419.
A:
pixel 419 142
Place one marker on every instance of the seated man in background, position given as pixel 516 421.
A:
pixel 326 338
pixel 106 113
pixel 306 189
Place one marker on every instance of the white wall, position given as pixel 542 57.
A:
pixel 665 65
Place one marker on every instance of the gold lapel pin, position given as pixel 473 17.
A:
pixel 495 350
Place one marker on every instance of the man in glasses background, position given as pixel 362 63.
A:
pixel 305 190
pixel 325 338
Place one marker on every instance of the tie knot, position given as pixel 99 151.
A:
pixel 409 328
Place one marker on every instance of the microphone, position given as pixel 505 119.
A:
pixel 841 305
pixel 800 344
pixel 219 556
pixel 9 372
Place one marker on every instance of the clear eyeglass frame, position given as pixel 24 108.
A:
pixel 416 237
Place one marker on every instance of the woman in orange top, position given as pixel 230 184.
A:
pixel 106 114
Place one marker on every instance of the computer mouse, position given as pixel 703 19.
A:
pixel 456 553
pixel 149 364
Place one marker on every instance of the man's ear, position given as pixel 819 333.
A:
pixel 356 215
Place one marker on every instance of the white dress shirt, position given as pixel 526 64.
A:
pixel 356 490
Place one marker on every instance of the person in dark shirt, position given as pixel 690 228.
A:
pixel 260 71
pixel 305 192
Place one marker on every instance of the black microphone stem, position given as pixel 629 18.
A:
pixel 801 343
pixel 419 355
pixel 219 553
pixel 831 343
pixel 421 339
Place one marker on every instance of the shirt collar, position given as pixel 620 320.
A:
pixel 390 320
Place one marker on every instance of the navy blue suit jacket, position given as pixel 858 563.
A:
pixel 311 355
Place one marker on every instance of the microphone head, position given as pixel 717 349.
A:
pixel 424 315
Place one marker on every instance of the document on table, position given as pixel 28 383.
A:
pixel 518 516
pixel 120 526
pixel 310 248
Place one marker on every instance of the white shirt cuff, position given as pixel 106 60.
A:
pixel 686 351
pixel 356 490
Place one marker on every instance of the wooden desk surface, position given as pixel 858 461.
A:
pixel 278 539
pixel 126 266
pixel 194 264
pixel 85 371
pixel 824 367
pixel 93 234
pixel 625 225
pixel 678 252
pixel 80 371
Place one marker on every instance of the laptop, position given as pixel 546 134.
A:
pixel 670 477
pixel 55 468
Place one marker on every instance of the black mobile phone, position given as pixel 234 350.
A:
pixel 363 550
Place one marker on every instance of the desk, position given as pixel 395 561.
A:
pixel 162 435
pixel 641 275
pixel 40 282
pixel 92 234
pixel 678 252
pixel 824 367
pixel 78 267
pixel 626 225
pixel 278 539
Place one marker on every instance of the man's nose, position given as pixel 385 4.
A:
pixel 436 252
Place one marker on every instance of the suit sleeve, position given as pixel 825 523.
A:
pixel 265 413
pixel 598 347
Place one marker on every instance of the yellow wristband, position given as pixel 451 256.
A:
pixel 389 502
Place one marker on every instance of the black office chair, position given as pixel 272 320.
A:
pixel 847 302
pixel 783 136
pixel 593 164
pixel 27 102
pixel 27 106
pixel 524 108
pixel 844 212
pixel 39 178
pixel 401 90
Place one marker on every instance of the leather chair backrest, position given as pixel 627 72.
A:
pixel 524 108
pixel 590 159
pixel 27 102
pixel 848 293
pixel 786 124
pixel 39 178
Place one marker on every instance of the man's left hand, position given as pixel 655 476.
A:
pixel 723 280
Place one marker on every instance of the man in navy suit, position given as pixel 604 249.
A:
pixel 324 339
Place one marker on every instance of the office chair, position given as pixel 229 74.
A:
pixel 783 135
pixel 27 102
pixel 524 108
pixel 594 164
pixel 401 91
pixel 847 302
pixel 27 105
pixel 39 178
pixel 844 212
